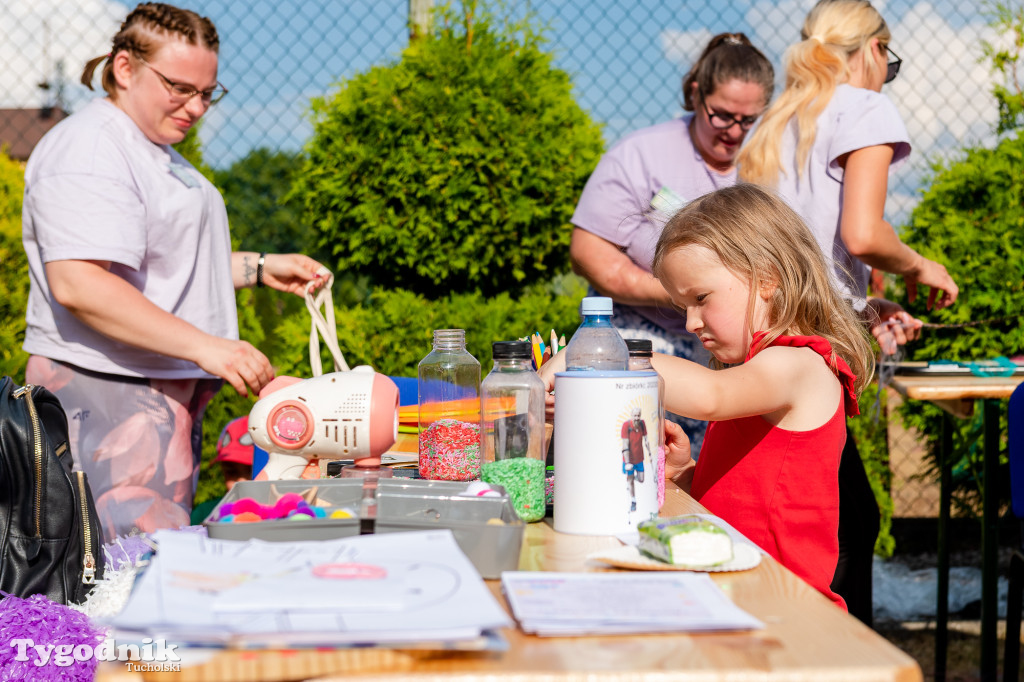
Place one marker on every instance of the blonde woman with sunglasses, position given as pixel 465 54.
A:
pixel 827 145
pixel 131 315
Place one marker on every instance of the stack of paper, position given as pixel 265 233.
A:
pixel 572 604
pixel 415 589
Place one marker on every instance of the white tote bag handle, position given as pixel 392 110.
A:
pixel 323 325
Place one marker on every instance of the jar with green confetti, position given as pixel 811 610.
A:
pixel 512 428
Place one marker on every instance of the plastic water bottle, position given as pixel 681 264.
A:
pixel 596 345
pixel 640 353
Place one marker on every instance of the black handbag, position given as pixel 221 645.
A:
pixel 51 542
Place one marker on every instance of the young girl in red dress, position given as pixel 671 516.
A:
pixel 790 357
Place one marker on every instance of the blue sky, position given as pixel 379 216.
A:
pixel 626 58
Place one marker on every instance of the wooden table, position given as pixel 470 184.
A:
pixel 806 638
pixel 956 396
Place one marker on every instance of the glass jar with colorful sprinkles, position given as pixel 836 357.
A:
pixel 449 409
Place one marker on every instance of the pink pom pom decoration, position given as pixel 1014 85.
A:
pixel 248 510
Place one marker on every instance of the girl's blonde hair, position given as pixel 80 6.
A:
pixel 758 237
pixel 833 31
pixel 144 31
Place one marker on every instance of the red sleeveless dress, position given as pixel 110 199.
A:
pixel 781 488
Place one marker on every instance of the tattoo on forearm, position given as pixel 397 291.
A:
pixel 248 271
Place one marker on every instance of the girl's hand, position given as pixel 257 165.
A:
pixel 547 375
pixel 679 463
pixel 891 325
pixel 292 272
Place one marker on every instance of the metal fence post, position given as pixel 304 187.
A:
pixel 419 18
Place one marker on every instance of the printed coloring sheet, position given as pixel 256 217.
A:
pixel 371 588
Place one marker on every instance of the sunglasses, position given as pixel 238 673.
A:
pixel 893 67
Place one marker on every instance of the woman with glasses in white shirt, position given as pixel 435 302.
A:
pixel 131 317
pixel 826 145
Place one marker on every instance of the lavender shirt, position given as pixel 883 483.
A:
pixel 97 189
pixel 855 118
pixel 616 202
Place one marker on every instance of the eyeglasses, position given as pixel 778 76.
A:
pixel 183 92
pixel 892 68
pixel 723 121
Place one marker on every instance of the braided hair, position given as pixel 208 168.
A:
pixel 144 31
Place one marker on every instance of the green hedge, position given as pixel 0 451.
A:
pixel 971 218
pixel 254 189
pixel 454 169
pixel 394 332
pixel 13 270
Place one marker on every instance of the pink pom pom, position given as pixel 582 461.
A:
pixel 284 506
pixel 246 504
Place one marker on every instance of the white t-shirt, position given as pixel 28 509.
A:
pixel 97 189
pixel 616 201
pixel 855 118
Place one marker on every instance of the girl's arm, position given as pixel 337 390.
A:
pixel 116 309
pixel 870 238
pixel 698 392
pixel 612 273
pixel 291 272
pixel 779 382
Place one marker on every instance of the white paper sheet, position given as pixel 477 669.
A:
pixel 371 588
pixel 604 603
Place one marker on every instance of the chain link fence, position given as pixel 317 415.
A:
pixel 626 58
pixel 914 495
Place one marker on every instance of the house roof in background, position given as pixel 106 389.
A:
pixel 21 129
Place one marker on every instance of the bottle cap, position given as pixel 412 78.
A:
pixel 639 347
pixel 596 305
pixel 507 350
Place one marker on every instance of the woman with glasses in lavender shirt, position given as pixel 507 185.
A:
pixel 826 145
pixel 131 315
pixel 645 176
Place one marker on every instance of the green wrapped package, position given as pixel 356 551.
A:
pixel 688 541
